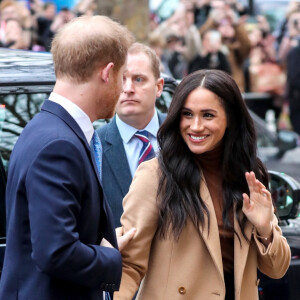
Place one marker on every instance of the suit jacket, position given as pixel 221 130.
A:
pixel 116 175
pixel 190 268
pixel 56 216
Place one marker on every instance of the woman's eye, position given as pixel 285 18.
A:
pixel 208 115
pixel 186 113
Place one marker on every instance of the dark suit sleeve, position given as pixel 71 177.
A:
pixel 55 185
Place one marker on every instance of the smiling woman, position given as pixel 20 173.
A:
pixel 203 121
pixel 207 221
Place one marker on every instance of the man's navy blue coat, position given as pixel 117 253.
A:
pixel 56 216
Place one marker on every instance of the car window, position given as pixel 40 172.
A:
pixel 16 110
pixel 265 138
pixel 164 101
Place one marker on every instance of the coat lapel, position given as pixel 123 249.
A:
pixel 211 238
pixel 117 156
pixel 241 250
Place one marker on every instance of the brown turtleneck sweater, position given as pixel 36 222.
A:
pixel 211 166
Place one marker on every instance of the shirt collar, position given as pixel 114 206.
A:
pixel 127 131
pixel 81 118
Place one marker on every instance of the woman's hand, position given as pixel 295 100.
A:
pixel 258 208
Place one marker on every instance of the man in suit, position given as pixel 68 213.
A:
pixel 56 214
pixel 135 111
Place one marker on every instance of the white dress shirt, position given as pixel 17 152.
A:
pixel 81 118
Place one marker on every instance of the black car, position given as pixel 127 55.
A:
pixel 26 80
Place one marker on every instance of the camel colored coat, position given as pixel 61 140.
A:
pixel 190 268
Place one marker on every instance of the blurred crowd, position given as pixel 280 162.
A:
pixel 226 35
pixel 198 34
pixel 32 24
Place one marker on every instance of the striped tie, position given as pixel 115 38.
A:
pixel 147 151
pixel 97 150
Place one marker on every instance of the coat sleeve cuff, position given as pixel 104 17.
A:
pixel 270 249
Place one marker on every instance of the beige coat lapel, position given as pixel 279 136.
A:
pixel 211 239
pixel 240 252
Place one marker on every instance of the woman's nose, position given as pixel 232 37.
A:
pixel 196 124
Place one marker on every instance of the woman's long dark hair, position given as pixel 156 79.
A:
pixel 179 184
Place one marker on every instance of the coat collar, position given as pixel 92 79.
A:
pixel 59 111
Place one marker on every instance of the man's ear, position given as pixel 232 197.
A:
pixel 105 72
pixel 160 86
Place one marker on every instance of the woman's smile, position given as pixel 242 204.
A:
pixel 198 138
pixel 203 121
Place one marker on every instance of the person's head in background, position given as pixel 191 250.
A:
pixel 9 10
pixel 255 35
pixel 225 18
pixel 14 34
pixel 211 41
pixel 49 10
pixel 189 7
pixel 226 29
pixel 157 42
pixel 16 11
pixel 142 84
pixel 87 8
pixel 294 24
pixel 293 6
pixel 263 25
pixel 92 51
pixel 66 14
pixel 173 41
pixel 177 22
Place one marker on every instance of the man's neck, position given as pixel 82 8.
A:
pixel 78 94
